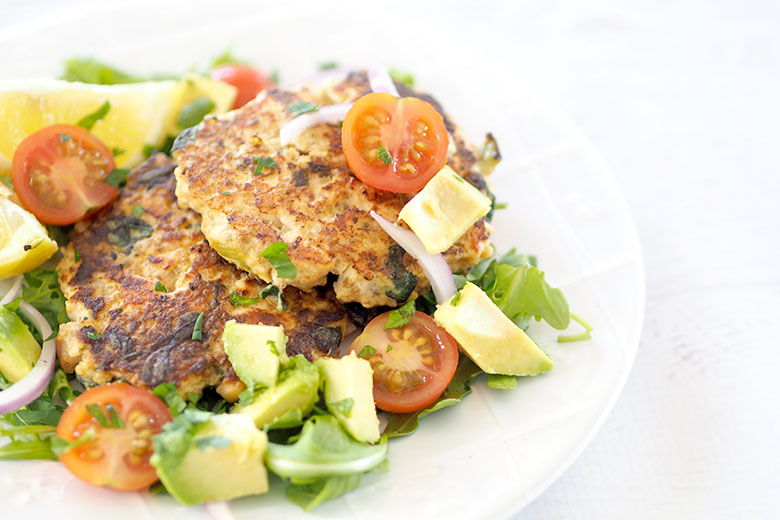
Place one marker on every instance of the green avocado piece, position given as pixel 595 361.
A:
pixel 255 352
pixel 488 337
pixel 18 349
pixel 285 404
pixel 222 460
pixel 349 395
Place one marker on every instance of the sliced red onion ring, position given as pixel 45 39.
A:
pixel 380 81
pixel 27 390
pixel 219 510
pixel 326 114
pixel 435 266
pixel 13 292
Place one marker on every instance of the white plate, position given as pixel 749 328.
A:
pixel 496 452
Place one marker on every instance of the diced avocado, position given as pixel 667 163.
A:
pixel 488 337
pixel 255 352
pixel 444 210
pixel 18 349
pixel 219 459
pixel 285 404
pixel 349 395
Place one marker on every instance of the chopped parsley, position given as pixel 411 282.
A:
pixel 400 316
pixel 94 336
pixel 89 120
pixel 272 290
pixel 240 301
pixel 117 177
pixel 275 254
pixel 159 287
pixel 367 351
pixel 389 348
pixel 138 210
pixel 383 155
pixel 113 420
pixel 264 162
pixel 197 331
pixel 117 151
pixel 301 107
pixel 76 255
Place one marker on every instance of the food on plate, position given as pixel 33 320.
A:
pixel 253 192
pixel 18 349
pixel 255 351
pixel 247 79
pixel 142 282
pixel 24 243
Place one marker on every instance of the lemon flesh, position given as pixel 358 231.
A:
pixel 24 243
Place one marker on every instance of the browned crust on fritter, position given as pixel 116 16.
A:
pixel 123 329
pixel 312 201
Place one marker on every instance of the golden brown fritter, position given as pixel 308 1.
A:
pixel 142 276
pixel 311 201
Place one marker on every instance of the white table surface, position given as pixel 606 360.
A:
pixel 683 100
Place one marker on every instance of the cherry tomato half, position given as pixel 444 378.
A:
pixel 59 173
pixel 412 364
pixel 412 137
pixel 121 420
pixel 248 80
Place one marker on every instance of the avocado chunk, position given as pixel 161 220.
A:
pixel 18 349
pixel 444 210
pixel 286 404
pixel 201 457
pixel 255 352
pixel 488 337
pixel 349 395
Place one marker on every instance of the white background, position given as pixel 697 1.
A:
pixel 683 100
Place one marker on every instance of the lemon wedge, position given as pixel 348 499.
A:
pixel 141 113
pixel 24 243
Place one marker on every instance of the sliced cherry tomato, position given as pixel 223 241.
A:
pixel 412 137
pixel 120 420
pixel 59 174
pixel 412 364
pixel 248 80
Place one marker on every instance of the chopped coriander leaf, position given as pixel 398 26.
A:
pixel 197 332
pixel 63 137
pixel 384 155
pixel 301 107
pixel 272 290
pixel 97 412
pixel 117 177
pixel 76 255
pixel 113 417
pixel 275 254
pixel 89 120
pixel 344 407
pixel 328 65
pixel 367 351
pixel 264 162
pixel 94 336
pixel 159 287
pixel 116 152
pixel 237 300
pixel 389 348
pixel 400 316
pixel 193 113
pixel 138 210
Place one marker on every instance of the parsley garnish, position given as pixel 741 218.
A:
pixel 301 107
pixel 455 299
pixel 400 316
pixel 117 177
pixel 159 287
pixel 113 420
pixel 138 210
pixel 117 151
pixel 197 331
pixel 76 255
pixel 384 155
pixel 275 254
pixel 89 120
pixel 389 348
pixel 94 336
pixel 193 113
pixel 367 351
pixel 264 162
pixel 343 407
pixel 237 300
pixel 272 290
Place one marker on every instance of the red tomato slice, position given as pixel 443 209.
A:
pixel 248 80
pixel 118 455
pixel 59 173
pixel 412 137
pixel 412 364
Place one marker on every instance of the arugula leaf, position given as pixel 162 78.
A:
pixel 384 155
pixel 242 301
pixel 310 495
pixel 193 113
pixel 88 70
pixel 42 291
pixel 301 107
pixel 501 382
pixel 117 177
pixel 399 424
pixel 36 449
pixel 264 162
pixel 402 77
pixel 582 336
pixel 400 316
pixel 275 254
pixel 225 58
pixel 178 436
pixel 89 120
pixel 523 291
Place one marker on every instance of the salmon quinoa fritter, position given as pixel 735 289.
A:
pixel 137 279
pixel 310 200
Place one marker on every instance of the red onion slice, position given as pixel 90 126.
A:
pixel 435 266
pixel 219 510
pixel 326 114
pixel 31 386
pixel 13 292
pixel 380 81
